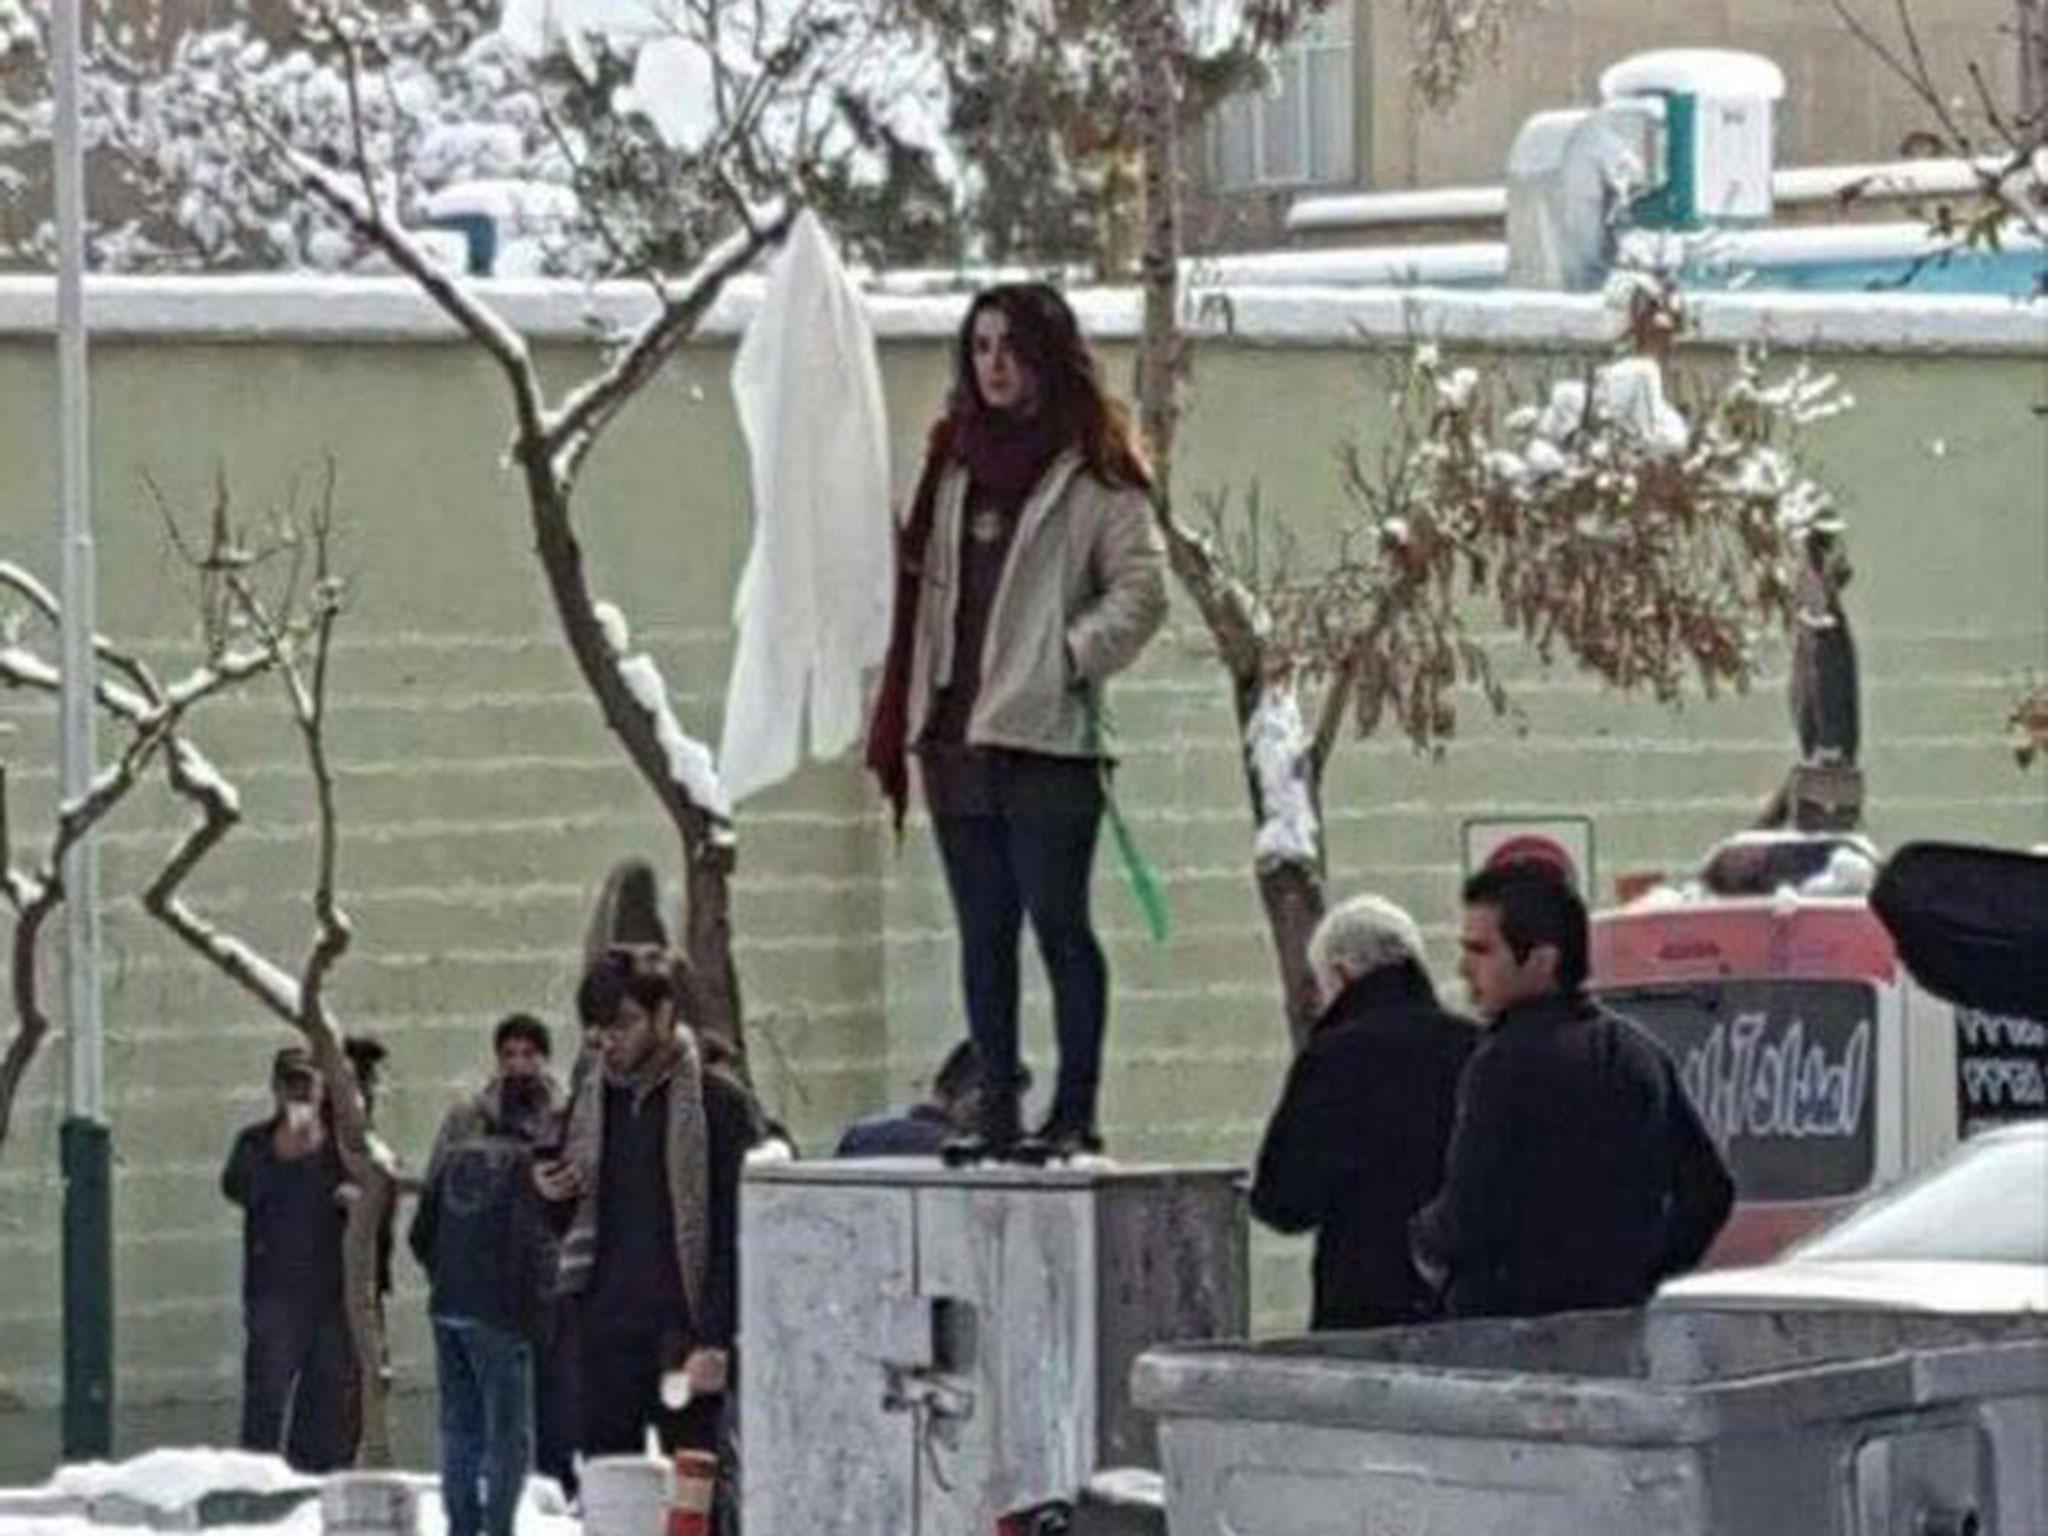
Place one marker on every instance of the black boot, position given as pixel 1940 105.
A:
pixel 998 1133
pixel 1064 1135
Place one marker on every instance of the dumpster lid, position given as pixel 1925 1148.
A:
pixel 1971 923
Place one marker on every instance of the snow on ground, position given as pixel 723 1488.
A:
pixel 173 1480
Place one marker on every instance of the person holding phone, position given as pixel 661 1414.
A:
pixel 647 1195
pixel 286 1174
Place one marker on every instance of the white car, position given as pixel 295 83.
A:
pixel 1968 1234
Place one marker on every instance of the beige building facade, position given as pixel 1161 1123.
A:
pixel 1344 114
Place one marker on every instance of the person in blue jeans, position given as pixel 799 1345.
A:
pixel 482 1235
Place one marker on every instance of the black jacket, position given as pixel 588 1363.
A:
pixel 1579 1175
pixel 1357 1143
pixel 919 1131
pixel 292 1225
pixel 480 1230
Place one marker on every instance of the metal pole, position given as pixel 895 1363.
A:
pixel 88 1248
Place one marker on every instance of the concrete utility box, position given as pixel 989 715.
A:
pixel 1682 1423
pixel 926 1349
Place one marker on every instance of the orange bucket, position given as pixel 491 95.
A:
pixel 696 1483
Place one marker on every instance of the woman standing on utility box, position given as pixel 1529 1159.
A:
pixel 1029 572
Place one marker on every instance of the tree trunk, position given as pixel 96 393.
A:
pixel 712 994
pixel 359 1242
pixel 2031 30
pixel 1292 895
pixel 1155 36
pixel 365 1310
pixel 1291 892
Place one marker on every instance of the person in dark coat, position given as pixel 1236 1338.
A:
pixel 649 1181
pixel 522 1054
pixel 1579 1174
pixel 923 1129
pixel 483 1237
pixel 1356 1144
pixel 286 1174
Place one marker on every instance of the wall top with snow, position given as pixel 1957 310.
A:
pixel 282 308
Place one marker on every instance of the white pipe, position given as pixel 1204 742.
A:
pixel 1351 210
pixel 86 1077
pixel 1796 185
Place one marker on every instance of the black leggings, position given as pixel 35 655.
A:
pixel 1022 842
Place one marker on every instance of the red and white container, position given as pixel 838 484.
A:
pixel 1823 1071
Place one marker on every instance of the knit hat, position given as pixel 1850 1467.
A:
pixel 627 915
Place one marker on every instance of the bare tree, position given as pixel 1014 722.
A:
pixel 1452 41
pixel 267 600
pixel 150 712
pixel 2000 128
pixel 293 624
pixel 1605 526
pixel 738 109
pixel 1042 100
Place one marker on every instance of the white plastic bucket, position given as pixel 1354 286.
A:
pixel 626 1496
pixel 368 1504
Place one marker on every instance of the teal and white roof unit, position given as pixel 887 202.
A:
pixel 1718 108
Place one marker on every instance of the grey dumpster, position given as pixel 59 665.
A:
pixel 1679 1423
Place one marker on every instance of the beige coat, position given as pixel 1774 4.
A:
pixel 1083 589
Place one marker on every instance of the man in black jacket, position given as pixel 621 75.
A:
pixel 482 1236
pixel 1579 1175
pixel 287 1176
pixel 649 1181
pixel 1357 1142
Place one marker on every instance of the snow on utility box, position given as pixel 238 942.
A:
pixel 1678 1422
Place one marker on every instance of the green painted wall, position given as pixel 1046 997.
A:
pixel 483 800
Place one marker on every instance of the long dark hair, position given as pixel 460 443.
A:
pixel 1047 338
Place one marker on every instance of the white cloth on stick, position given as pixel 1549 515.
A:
pixel 813 601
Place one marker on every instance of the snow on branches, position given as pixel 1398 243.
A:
pixel 1647 529
pixel 620 134
pixel 1047 98
pixel 690 763
pixel 246 631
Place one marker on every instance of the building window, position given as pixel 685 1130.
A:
pixel 1298 130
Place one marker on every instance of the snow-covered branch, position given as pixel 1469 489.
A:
pixel 152 717
pixel 569 432
pixel 454 297
pixel 2005 140
pixel 284 636
pixel 691 765
pixel 1278 747
pixel 191 774
pixel 122 701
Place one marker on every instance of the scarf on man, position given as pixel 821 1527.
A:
pixel 495 1109
pixel 687 1156
pixel 1005 457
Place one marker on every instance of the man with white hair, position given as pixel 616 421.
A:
pixel 1356 1146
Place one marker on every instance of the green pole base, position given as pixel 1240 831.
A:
pixel 87 1161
